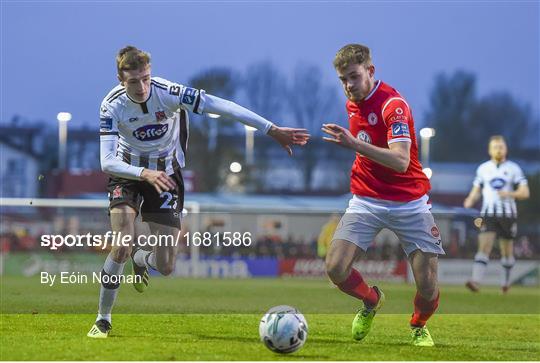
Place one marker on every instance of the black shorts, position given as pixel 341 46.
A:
pixel 165 208
pixel 504 227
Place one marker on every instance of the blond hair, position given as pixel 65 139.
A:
pixel 352 54
pixel 497 138
pixel 130 58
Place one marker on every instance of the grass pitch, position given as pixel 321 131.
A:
pixel 179 319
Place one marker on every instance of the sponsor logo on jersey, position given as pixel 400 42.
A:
pixel 364 136
pixel 160 116
pixel 133 119
pixel 351 114
pixel 400 129
pixel 435 232
pixel 150 132
pixel 105 123
pixel 399 111
pixel 497 183
pixel 372 119
pixel 189 96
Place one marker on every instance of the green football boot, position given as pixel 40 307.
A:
pixel 140 274
pixel 421 337
pixel 362 321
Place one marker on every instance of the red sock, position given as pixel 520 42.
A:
pixel 423 309
pixel 357 287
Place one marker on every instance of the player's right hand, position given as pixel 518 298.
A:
pixel 158 179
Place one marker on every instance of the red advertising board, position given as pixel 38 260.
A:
pixel 377 270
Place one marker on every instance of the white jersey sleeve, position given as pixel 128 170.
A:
pixel 234 111
pixel 108 140
pixel 478 182
pixel 175 95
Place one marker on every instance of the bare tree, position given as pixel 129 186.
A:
pixel 311 103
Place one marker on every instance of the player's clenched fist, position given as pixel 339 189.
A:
pixel 340 135
pixel 158 179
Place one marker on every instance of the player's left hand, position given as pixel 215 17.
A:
pixel 340 135
pixel 287 136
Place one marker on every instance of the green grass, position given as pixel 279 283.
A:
pixel 180 319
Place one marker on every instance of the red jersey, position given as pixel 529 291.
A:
pixel 380 119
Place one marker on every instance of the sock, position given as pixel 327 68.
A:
pixel 356 287
pixel 479 267
pixel 108 291
pixel 507 264
pixel 423 309
pixel 145 258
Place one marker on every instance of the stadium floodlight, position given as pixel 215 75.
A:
pixel 235 167
pixel 63 118
pixel 213 115
pixel 428 172
pixel 250 144
pixel 426 134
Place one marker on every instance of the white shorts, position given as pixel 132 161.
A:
pixel 412 222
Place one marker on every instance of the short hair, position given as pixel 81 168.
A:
pixel 130 58
pixel 497 138
pixel 352 54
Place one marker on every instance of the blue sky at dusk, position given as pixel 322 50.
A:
pixel 59 55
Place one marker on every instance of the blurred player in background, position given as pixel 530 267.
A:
pixel 143 136
pixel 389 191
pixel 326 235
pixel 496 181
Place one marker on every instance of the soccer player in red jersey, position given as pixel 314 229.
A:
pixel 389 191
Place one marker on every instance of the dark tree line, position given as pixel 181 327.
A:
pixel 464 121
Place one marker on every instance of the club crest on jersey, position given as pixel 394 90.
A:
pixel 160 116
pixel 372 119
pixel 364 136
pixel 400 129
pixel 189 96
pixel 497 183
pixel 150 132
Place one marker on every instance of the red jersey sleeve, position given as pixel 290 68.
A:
pixel 397 115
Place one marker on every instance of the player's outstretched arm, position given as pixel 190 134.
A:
pixel 396 157
pixel 285 136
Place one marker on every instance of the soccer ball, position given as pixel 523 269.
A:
pixel 283 329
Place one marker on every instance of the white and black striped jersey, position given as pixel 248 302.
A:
pixel 492 178
pixel 151 134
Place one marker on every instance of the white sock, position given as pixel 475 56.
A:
pixel 108 292
pixel 145 258
pixel 507 264
pixel 479 267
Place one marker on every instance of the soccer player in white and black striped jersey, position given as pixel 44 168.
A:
pixel 500 182
pixel 143 137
